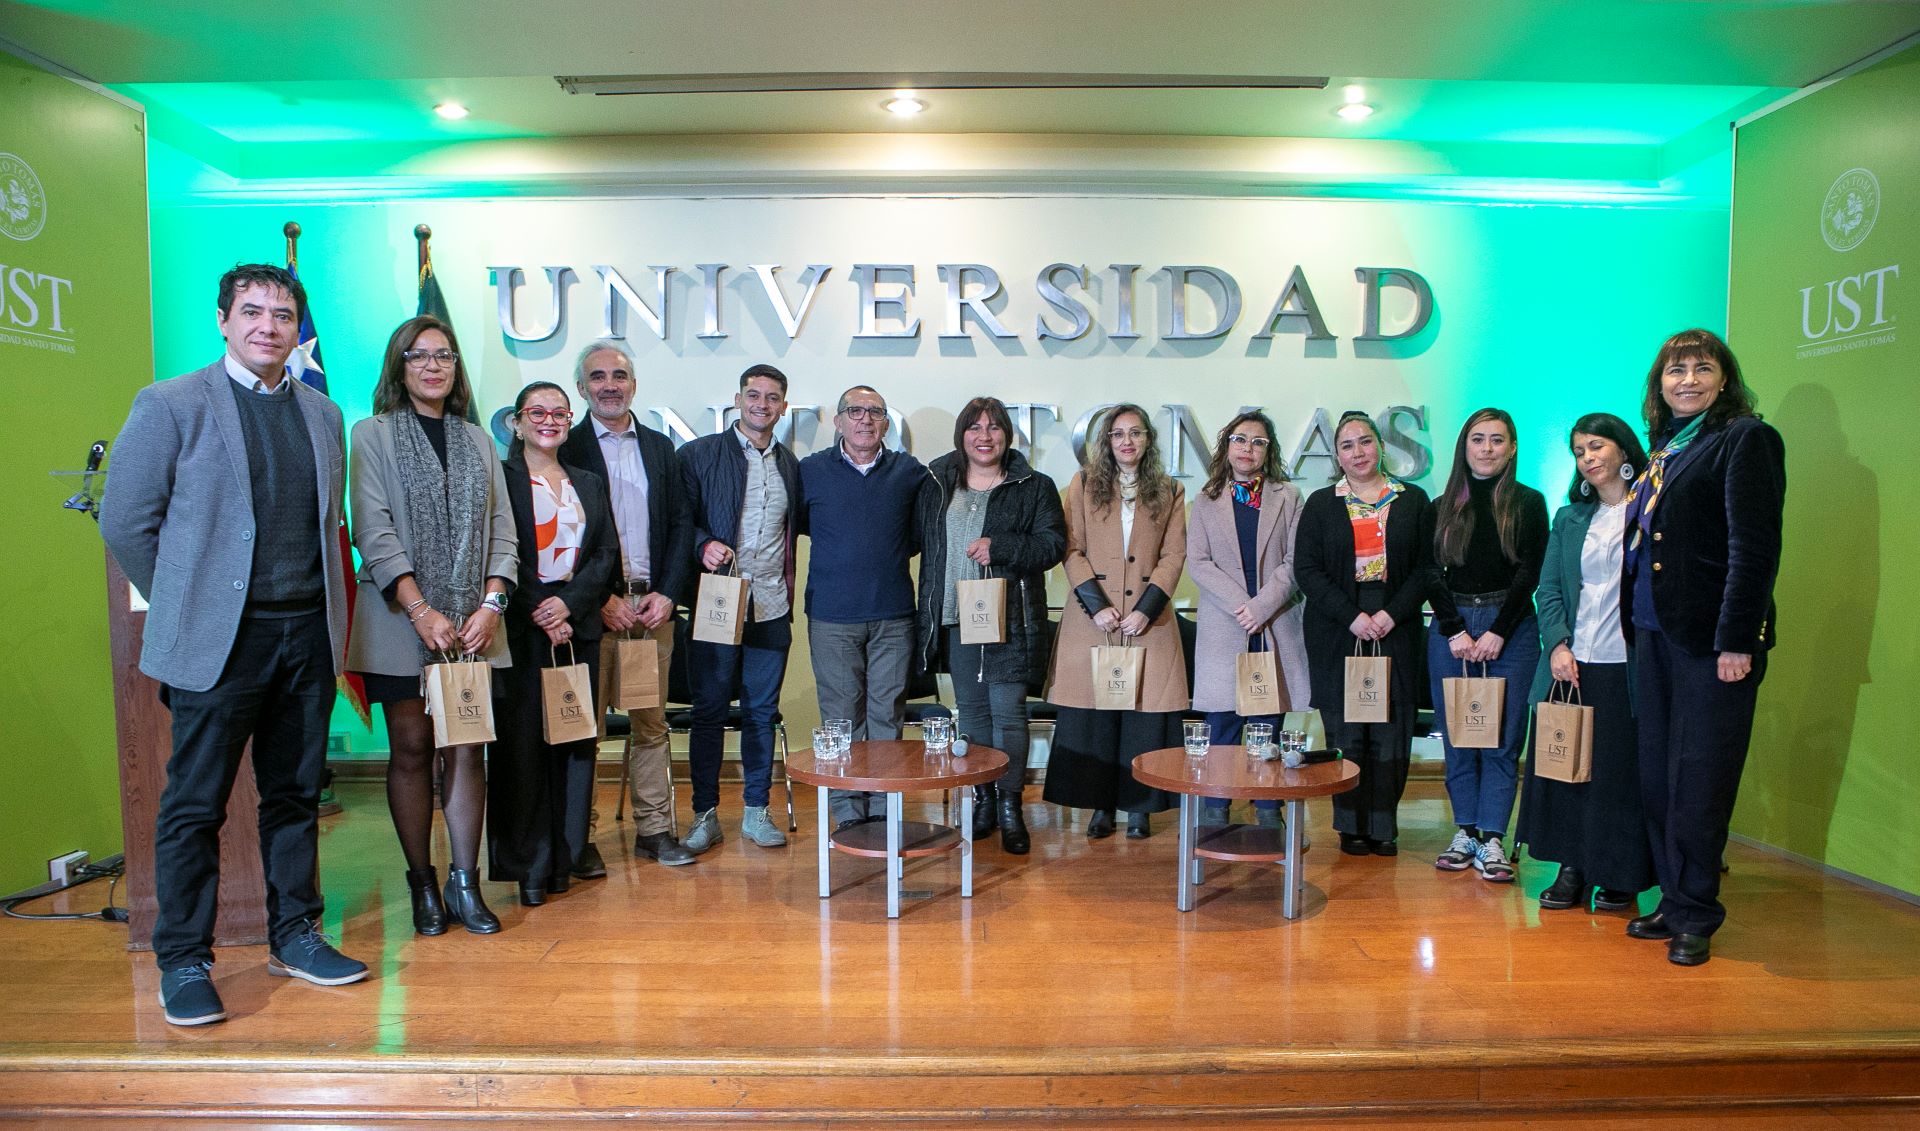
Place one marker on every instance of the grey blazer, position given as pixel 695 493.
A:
pixel 383 638
pixel 178 517
pixel 1213 561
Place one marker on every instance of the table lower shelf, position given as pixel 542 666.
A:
pixel 917 838
pixel 1257 844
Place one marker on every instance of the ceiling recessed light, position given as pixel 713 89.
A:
pixel 451 111
pixel 1354 92
pixel 1355 111
pixel 903 104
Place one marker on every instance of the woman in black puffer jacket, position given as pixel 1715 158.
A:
pixel 987 512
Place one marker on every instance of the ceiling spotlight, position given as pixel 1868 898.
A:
pixel 1353 92
pixel 903 104
pixel 451 111
pixel 1355 111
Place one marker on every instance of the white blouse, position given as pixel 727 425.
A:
pixel 559 526
pixel 1597 638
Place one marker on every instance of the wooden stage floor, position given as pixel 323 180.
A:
pixel 1068 989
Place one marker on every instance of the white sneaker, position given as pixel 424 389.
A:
pixel 1459 855
pixel 1492 863
pixel 757 827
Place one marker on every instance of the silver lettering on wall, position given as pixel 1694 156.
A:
pixel 503 281
pixel 960 303
pixel 1296 306
pixel 710 295
pixel 790 317
pixel 1372 279
pixel 615 286
pixel 866 276
pixel 1054 296
pixel 1227 312
pixel 1123 330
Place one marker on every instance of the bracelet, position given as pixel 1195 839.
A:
pixel 413 617
pixel 415 605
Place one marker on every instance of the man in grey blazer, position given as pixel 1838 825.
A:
pixel 223 509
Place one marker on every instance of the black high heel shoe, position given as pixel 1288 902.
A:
pixel 429 912
pixel 1100 825
pixel 464 904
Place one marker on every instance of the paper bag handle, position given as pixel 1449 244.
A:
pixel 1572 695
pixel 1465 674
pixel 553 650
pixel 1125 641
pixel 1360 647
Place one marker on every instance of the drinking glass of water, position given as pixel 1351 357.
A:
pixel 1258 739
pixel 842 732
pixel 1197 739
pixel 938 733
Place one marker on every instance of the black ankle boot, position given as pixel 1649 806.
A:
pixel 464 905
pixel 532 894
pixel 1565 891
pixel 429 913
pixel 984 797
pixel 1013 824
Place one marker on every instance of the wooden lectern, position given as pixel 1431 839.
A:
pixel 146 741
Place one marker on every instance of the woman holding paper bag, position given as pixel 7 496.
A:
pixel 1364 559
pixel 540 791
pixel 1126 546
pixel 1240 553
pixel 987 511
pixel 1595 830
pixel 1490 534
pixel 1703 548
pixel 437 554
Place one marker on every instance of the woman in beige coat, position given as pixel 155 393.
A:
pixel 438 552
pixel 1126 546
pixel 1240 552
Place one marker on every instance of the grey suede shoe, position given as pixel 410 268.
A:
pixel 757 827
pixel 705 832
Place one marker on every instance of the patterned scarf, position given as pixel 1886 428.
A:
pixel 1369 520
pixel 1248 494
pixel 447 512
pixel 1646 489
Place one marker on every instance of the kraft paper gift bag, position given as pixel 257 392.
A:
pixel 566 701
pixel 636 669
pixel 1563 737
pixel 983 610
pixel 1257 689
pixel 458 694
pixel 1116 676
pixel 1474 707
pixel 1366 697
pixel 720 609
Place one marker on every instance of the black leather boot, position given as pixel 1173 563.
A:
pixel 1565 891
pixel 429 913
pixel 1013 824
pixel 984 797
pixel 464 905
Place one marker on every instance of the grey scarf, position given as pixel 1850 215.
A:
pixel 447 508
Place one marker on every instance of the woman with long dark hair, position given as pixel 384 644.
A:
pixel 1126 547
pixel 985 510
pixel 437 556
pixel 1490 534
pixel 540 793
pixel 1364 559
pixel 1240 553
pixel 1703 548
pixel 1596 829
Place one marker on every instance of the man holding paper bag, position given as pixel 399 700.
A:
pixel 654 574
pixel 741 486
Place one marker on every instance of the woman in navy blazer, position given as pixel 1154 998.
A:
pixel 538 793
pixel 1703 548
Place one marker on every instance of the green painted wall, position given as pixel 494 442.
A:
pixel 1831 775
pixel 68 375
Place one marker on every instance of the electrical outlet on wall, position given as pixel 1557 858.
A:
pixel 63 869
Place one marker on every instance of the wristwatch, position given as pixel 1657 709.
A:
pixel 497 602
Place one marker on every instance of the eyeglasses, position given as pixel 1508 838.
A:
pixel 540 414
pixel 420 359
pixel 863 412
pixel 1260 443
pixel 1134 434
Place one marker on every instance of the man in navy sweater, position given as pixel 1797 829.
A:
pixel 857 501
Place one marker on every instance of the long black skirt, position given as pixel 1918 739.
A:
pixel 1597 826
pixel 1091 763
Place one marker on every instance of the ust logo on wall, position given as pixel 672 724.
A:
pixel 1856 309
pixel 23 200
pixel 1849 210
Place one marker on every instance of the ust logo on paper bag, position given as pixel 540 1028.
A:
pixel 1476 713
pixel 466 695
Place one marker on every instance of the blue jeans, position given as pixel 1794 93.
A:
pixel 1223 729
pixel 757 666
pixel 1482 783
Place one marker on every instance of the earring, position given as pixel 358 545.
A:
pixel 1586 488
pixel 1626 472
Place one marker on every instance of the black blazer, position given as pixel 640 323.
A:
pixel 599 559
pixel 1714 544
pixel 669 521
pixel 1323 569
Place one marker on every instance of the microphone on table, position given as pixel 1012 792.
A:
pixel 960 744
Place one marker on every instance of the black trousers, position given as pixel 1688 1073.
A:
pixel 538 796
pixel 277 690
pixel 1694 731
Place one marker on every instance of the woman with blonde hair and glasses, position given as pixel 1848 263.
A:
pixel 1240 553
pixel 1126 547
pixel 437 557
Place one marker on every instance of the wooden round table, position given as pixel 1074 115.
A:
pixel 1226 771
pixel 895 767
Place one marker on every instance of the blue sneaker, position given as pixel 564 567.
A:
pixel 310 956
pixel 188 996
